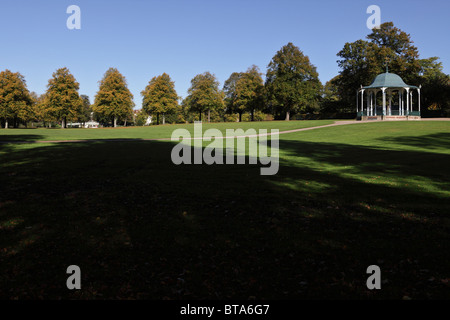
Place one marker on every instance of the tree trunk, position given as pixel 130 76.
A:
pixel 125 124
pixel 253 115
pixel 287 115
pixel 209 115
pixel 200 116
pixel 157 119
pixel 115 122
pixel 6 124
pixel 240 116
pixel 164 119
pixel 63 123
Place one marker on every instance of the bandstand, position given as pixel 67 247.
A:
pixel 397 99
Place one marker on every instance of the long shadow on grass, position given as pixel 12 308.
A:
pixel 6 141
pixel 140 227
pixel 24 138
pixel 432 141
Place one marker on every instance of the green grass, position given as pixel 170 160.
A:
pixel 153 132
pixel 345 197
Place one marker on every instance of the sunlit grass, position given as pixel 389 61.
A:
pixel 151 132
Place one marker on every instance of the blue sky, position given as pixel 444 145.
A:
pixel 144 38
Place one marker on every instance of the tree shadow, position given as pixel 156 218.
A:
pixel 25 138
pixel 431 141
pixel 7 140
pixel 141 227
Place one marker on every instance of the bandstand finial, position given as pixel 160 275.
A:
pixel 387 60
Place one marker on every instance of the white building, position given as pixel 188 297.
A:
pixel 91 124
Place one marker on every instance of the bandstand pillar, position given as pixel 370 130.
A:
pixel 407 101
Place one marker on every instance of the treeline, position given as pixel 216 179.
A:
pixel 291 89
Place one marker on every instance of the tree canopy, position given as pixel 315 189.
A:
pixel 292 82
pixel 244 92
pixel 15 99
pixel 204 94
pixel 113 100
pixel 160 97
pixel 62 100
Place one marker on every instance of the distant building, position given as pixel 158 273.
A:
pixel 91 124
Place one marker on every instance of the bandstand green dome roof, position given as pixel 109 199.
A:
pixel 389 80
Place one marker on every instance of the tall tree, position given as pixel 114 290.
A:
pixel 62 99
pixel 113 100
pixel 292 82
pixel 204 94
pixel 15 99
pixel 160 97
pixel 244 92
pixel 250 91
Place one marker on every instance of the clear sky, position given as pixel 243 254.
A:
pixel 144 38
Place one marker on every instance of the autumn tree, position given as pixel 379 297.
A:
pixel 34 113
pixel 204 94
pixel 244 92
pixel 250 91
pixel 42 111
pixel 292 82
pixel 15 99
pixel 113 100
pixel 160 97
pixel 62 100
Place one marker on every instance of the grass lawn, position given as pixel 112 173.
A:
pixel 138 226
pixel 153 132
